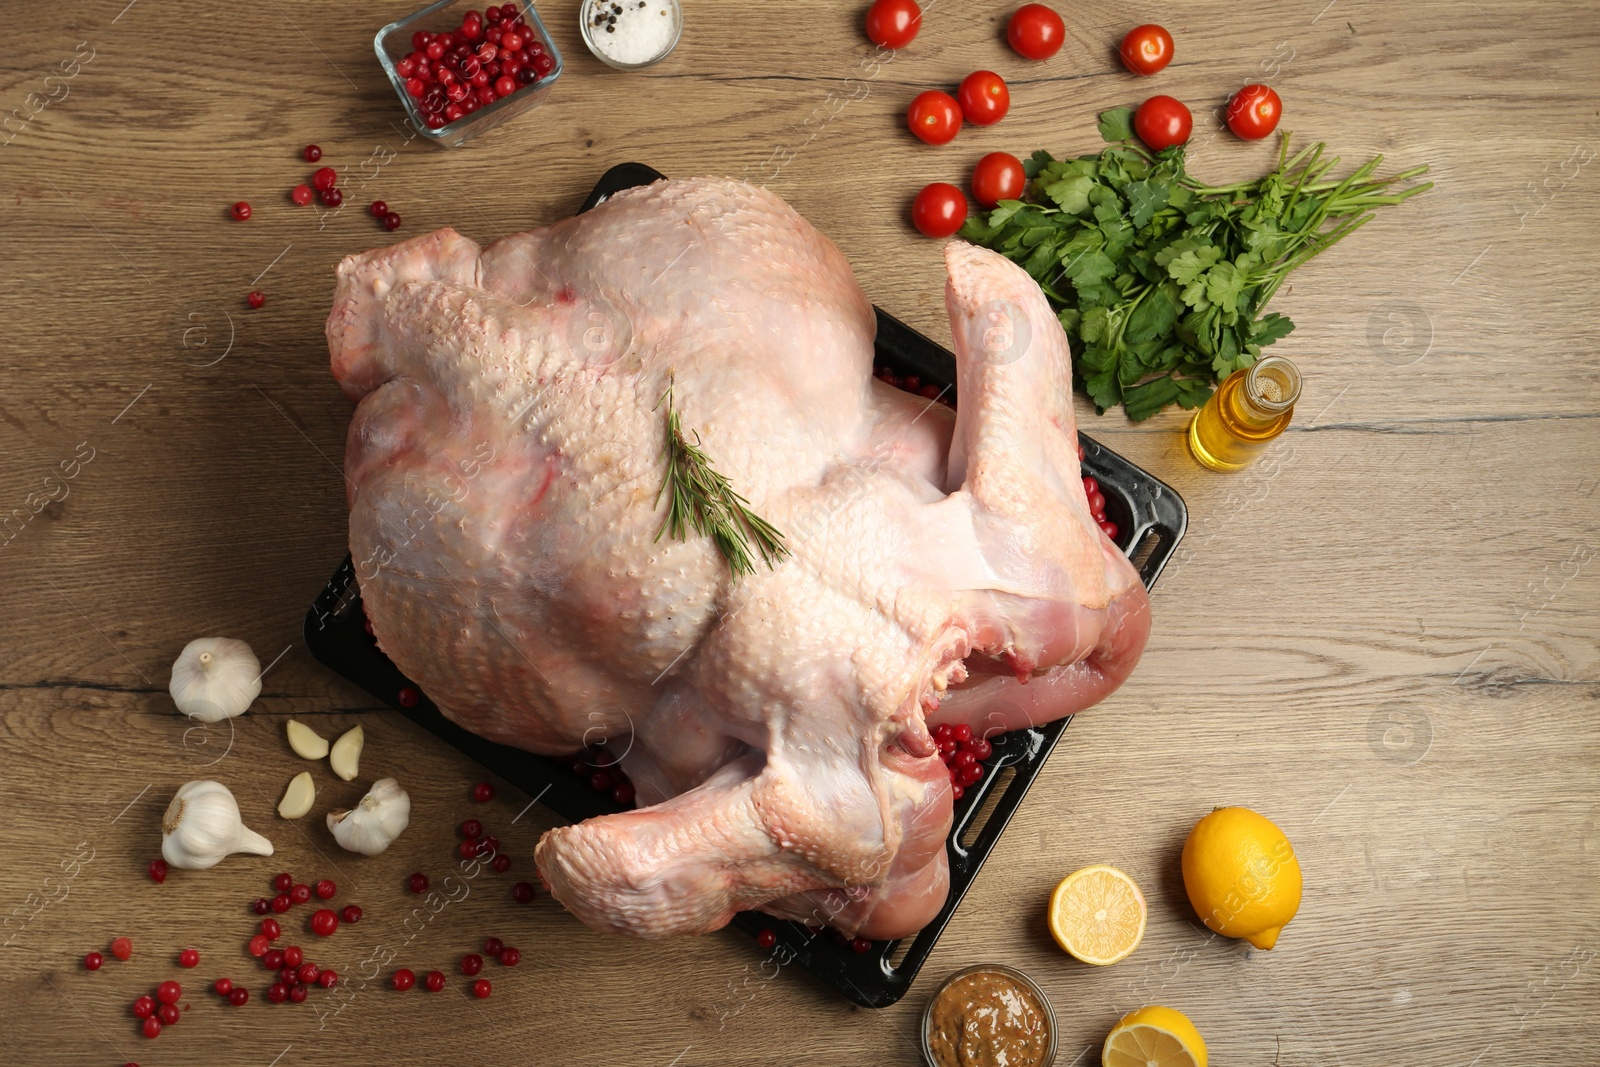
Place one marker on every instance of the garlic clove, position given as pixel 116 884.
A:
pixel 202 825
pixel 215 678
pixel 376 820
pixel 345 756
pixel 305 741
pixel 299 797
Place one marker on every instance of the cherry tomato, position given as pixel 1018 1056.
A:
pixel 1254 111
pixel 1146 49
pixel 893 23
pixel 1162 122
pixel 998 176
pixel 935 117
pixel 984 98
pixel 939 210
pixel 1036 32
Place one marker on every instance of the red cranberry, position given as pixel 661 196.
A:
pixel 273 959
pixel 94 961
pixel 168 1014
pixel 261 906
pixel 238 995
pixel 282 883
pixel 522 893
pixel 407 66
pixel 332 197
pixel 492 15
pixel 379 209
pixel 152 1027
pixel 326 889
pixel 308 973
pixel 467 850
pixel 501 864
pixel 435 981
pixel 407 696
pixel 420 39
pixel 489 846
pixel 481 988
pixel 324 922
pixel 956 791
pixel 623 793
pixel 527 75
pixel 311 153
pixel 471 964
pixel 483 792
pixel 454 112
pixel 293 956
pixel 240 211
pixel 471 828
pixel 288 975
pixel 277 992
pixel 980 748
pixel 324 178
pixel 168 992
pixel 350 914
pixel 505 85
pixel 510 957
pixel 280 903
pixel 493 946
pixel 971 774
pixel 963 758
pixel 391 221
pixel 543 64
pixel 961 731
pixel 418 882
pixel 416 87
pixel 766 939
pixel 271 928
pixel 511 42
pixel 256 298
pixel 297 994
pixel 223 986
pixel 600 781
pixel 328 979
pixel 258 945
pixel 158 870
pixel 144 1007
pixel 189 958
pixel 861 944
pixel 403 979
pixel 300 893
pixel 1110 529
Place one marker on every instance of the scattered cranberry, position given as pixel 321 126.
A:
pixel 435 981
pixel 168 1014
pixel 300 894
pixel 325 178
pixel 861 944
pixel 403 979
pixel 471 964
pixel 328 979
pixel 281 903
pixel 168 992
pixel 152 1027
pixel 282 883
pixel 324 922
pixel 158 870
pixel 408 696
pixel 240 211
pixel 766 939
pixel 94 961
pixel 223 986
pixel 258 945
pixel 277 992
pixel 472 829
pixel 308 973
pixel 391 221
pixel 510 957
pixel 122 947
pixel 311 153
pixel 350 914
pixel 256 298
pixel 273 960
pixel 332 197
pixel 493 946
pixel 293 956
pixel 326 889
pixel 379 209
pixel 523 893
pixel 261 906
pixel 238 995
pixel 481 988
pixel 271 928
pixel 297 994
pixel 144 1007
pixel 501 864
pixel 418 882
pixel 288 975
pixel 467 850
pixel 483 792
pixel 489 846
pixel 189 958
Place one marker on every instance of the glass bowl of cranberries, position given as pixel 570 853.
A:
pixel 460 70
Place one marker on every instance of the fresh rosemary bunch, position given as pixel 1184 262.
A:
pixel 700 499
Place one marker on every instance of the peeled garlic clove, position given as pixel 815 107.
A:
pixel 345 756
pixel 375 821
pixel 299 797
pixel 215 678
pixel 306 742
pixel 202 825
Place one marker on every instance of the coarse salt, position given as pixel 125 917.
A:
pixel 631 32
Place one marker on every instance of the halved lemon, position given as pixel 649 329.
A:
pixel 1097 915
pixel 1154 1037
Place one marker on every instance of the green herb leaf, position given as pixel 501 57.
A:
pixel 1117 124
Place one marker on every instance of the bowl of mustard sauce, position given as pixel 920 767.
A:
pixel 989 1015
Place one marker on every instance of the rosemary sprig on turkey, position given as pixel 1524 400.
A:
pixel 701 499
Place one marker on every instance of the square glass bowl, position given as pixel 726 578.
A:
pixel 393 43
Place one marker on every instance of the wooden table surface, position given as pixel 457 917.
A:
pixel 1385 638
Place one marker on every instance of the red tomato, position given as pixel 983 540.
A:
pixel 893 23
pixel 998 176
pixel 1162 122
pixel 984 98
pixel 935 117
pixel 1147 49
pixel 939 210
pixel 1254 111
pixel 1036 32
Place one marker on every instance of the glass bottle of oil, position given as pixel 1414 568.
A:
pixel 1246 412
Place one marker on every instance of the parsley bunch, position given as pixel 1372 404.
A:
pixel 1159 279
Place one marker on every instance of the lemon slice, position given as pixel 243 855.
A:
pixel 1097 915
pixel 1154 1037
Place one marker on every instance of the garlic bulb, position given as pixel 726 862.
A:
pixel 215 678
pixel 375 821
pixel 202 825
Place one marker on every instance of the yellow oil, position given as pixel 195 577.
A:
pixel 1243 416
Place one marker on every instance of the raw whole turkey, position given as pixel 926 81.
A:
pixel 503 466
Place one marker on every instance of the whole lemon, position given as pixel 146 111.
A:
pixel 1242 875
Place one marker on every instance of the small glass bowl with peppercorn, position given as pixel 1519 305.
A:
pixel 631 34
pixel 459 76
